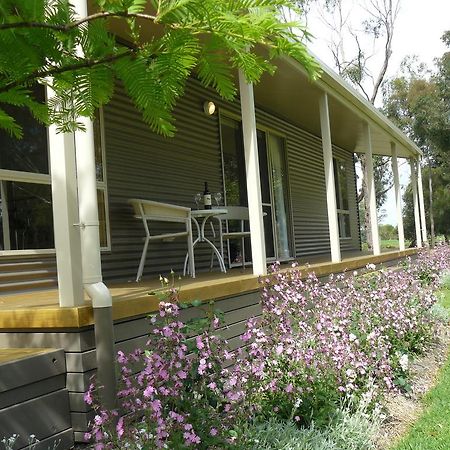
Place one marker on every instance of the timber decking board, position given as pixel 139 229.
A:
pixel 30 391
pixel 78 340
pixel 26 366
pixel 13 354
pixel 43 416
pixel 41 310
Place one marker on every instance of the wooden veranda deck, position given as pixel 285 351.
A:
pixel 41 310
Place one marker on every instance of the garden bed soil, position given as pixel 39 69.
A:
pixel 403 410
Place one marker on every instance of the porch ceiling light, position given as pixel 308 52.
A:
pixel 209 108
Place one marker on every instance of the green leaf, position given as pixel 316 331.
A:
pixel 214 71
pixel 137 6
pixel 10 125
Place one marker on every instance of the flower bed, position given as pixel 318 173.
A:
pixel 315 345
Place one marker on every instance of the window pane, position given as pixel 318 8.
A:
pixel 347 225
pixel 234 164
pixel 268 232
pixel 30 215
pixel 235 249
pixel 343 185
pixel 98 148
pixel 28 154
pixel 102 218
pixel 279 187
pixel 2 243
pixel 336 184
pixel 344 225
pixel 263 167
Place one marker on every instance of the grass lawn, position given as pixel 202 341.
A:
pixel 445 298
pixel 387 244
pixel 432 430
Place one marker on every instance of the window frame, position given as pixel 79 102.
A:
pixel 40 178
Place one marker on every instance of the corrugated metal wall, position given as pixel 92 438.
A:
pixel 144 165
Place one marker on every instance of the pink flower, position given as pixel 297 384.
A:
pixel 199 342
pixel 88 398
pixel 120 428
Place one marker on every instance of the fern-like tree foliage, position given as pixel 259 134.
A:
pixel 163 43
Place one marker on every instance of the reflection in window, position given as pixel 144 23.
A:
pixel 279 188
pixel 102 218
pixel 341 185
pixel 27 220
pixel 98 148
pixel 28 154
pixel 234 163
pixel 100 169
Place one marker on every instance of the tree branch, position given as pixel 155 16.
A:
pixel 76 24
pixel 389 186
pixel 86 63
pixel 388 18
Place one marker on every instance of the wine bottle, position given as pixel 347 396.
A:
pixel 207 197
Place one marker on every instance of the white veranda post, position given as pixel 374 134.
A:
pixel 398 196
pixel 65 215
pixel 253 176
pixel 415 203
pixel 329 179
pixel 371 200
pixel 423 220
pixel 91 260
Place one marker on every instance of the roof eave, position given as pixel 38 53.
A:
pixel 336 86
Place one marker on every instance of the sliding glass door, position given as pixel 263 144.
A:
pixel 274 187
pixel 279 193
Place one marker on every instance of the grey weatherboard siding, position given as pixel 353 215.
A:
pixel 143 164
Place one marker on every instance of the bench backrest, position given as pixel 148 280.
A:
pixel 163 212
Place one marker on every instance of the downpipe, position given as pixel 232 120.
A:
pixel 104 341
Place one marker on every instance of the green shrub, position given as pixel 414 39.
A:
pixel 440 312
pixel 350 430
pixel 445 280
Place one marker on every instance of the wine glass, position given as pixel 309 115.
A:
pixel 218 198
pixel 198 199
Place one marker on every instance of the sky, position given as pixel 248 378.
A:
pixel 419 27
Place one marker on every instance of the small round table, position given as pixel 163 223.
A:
pixel 205 215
